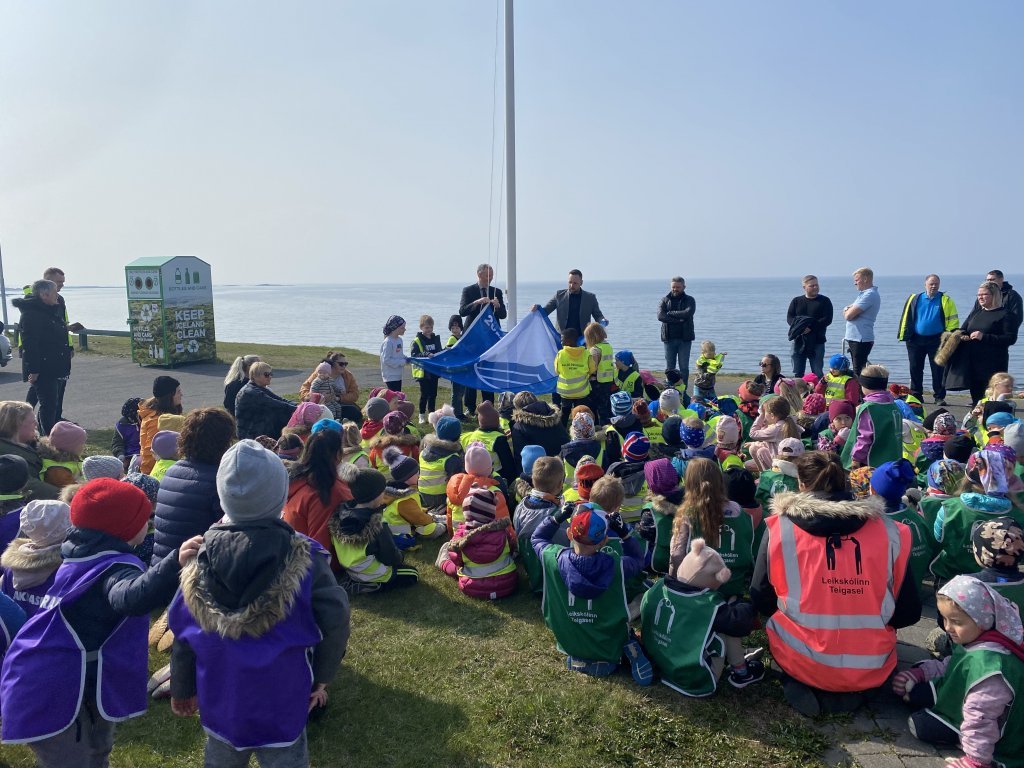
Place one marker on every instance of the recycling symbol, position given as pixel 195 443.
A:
pixel 146 313
pixel 193 346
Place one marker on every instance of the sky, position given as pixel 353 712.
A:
pixel 342 142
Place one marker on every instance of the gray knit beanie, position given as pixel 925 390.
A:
pixel 252 483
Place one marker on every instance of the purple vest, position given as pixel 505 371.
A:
pixel 254 691
pixel 47 656
pixel 29 599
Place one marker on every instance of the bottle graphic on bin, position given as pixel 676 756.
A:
pixel 177 276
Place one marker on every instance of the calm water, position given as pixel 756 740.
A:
pixel 744 317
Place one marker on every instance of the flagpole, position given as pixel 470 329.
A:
pixel 510 162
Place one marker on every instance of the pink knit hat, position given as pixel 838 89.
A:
pixel 68 437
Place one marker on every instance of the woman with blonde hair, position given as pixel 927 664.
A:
pixel 235 379
pixel 18 437
pixel 985 340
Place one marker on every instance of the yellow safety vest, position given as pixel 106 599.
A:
pixel 653 434
pixel 632 506
pixel 488 439
pixel 504 564
pixel 629 383
pixel 570 494
pixel 573 373
pixel 74 467
pixel 433 479
pixel 835 387
pixel 160 468
pixel 570 470
pixel 417 372
pixel 358 565
pixel 606 366
pixel 356 456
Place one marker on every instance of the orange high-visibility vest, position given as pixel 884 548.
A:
pixel 835 595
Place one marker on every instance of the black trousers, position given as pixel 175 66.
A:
pixel 47 390
pixel 859 351
pixel 428 393
pixel 471 399
pixel 926 725
pixel 919 348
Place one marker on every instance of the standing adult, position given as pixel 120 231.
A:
pixel 676 313
pixel 925 317
pixel 474 298
pixel 986 337
pixel 808 317
pixel 860 318
pixel 46 356
pixel 1010 299
pixel 573 306
pixel 56 276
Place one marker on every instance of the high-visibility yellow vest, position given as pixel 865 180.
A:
pixel 606 365
pixel 835 387
pixel 433 479
pixel 74 467
pixel 358 565
pixel 572 367
pixel 653 433
pixel 570 470
pixel 160 468
pixel 628 384
pixel 488 439
pixel 417 372
pixel 504 564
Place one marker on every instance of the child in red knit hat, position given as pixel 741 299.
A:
pixel 95 618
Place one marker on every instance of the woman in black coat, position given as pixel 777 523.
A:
pixel 46 355
pixel 258 411
pixel 985 340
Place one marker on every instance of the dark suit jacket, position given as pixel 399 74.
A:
pixel 473 292
pixel 589 308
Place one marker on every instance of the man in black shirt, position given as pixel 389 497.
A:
pixel 808 317
pixel 474 298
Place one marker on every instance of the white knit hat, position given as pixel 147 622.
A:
pixel 46 522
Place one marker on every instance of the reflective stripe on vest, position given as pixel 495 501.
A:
pixel 835 387
pixel 395 521
pixel 606 366
pixel 817 646
pixel 504 564
pixel 358 564
pixel 573 375
pixel 433 479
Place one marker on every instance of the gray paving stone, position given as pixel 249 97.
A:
pixel 923 762
pixel 887 760
pixel 872 746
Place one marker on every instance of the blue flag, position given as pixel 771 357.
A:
pixel 486 358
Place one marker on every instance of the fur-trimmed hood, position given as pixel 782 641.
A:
pixel 821 516
pixel 500 524
pixel 257 617
pixel 433 448
pixel 355 525
pixel 395 490
pixel 46 451
pixel 527 417
pixel 30 568
pixel 383 440
pixel 521 488
pixel 662 506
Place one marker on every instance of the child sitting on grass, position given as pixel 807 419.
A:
pixel 690 631
pixel 402 511
pixel 125 442
pixel 478 472
pixel 61 452
pixel 585 602
pixel 541 502
pixel 877 432
pixel 891 481
pixel 481 554
pixel 664 495
pixel 31 561
pixel 774 424
pixel 440 460
pixel 969 699
pixel 165 451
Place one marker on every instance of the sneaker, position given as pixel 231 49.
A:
pixel 643 672
pixel 423 418
pixel 941 401
pixel 753 674
pixel 592 668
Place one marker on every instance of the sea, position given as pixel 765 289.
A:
pixel 745 317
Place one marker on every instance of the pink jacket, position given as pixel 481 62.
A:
pixel 483 545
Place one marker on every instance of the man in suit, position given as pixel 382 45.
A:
pixel 573 306
pixel 474 298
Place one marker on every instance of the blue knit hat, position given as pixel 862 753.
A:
pixel 529 455
pixel 625 357
pixel 323 424
pixel 448 428
pixel 891 480
pixel 622 403
pixel 636 447
pixel 1000 419
pixel 839 362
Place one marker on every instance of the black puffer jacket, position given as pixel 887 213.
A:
pixel 537 424
pixel 258 411
pixel 44 338
pixel 186 505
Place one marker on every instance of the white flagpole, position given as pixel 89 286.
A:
pixel 510 161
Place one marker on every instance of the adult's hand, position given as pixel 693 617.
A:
pixel 32 378
pixel 481 301
pixel 976 335
pixel 535 307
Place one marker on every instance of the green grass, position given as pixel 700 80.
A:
pixel 433 678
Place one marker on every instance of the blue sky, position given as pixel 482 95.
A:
pixel 351 142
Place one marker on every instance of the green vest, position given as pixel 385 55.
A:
pixel 488 438
pixel 358 565
pixel 356 456
pixel 736 546
pixel 888 441
pixel 955 555
pixel 571 494
pixel 594 629
pixel 678 637
pixel 929 507
pixel 770 483
pixel 967 667
pixel 160 468
pixel 661 553
pixel 433 480
pixel 74 467
pixel 606 366
pixel 1012 591
pixel 922 546
pixel 835 387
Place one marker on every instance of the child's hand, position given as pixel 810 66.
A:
pixel 903 682
pixel 318 698
pixel 189 550
pixel 185 707
pixel 565 512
